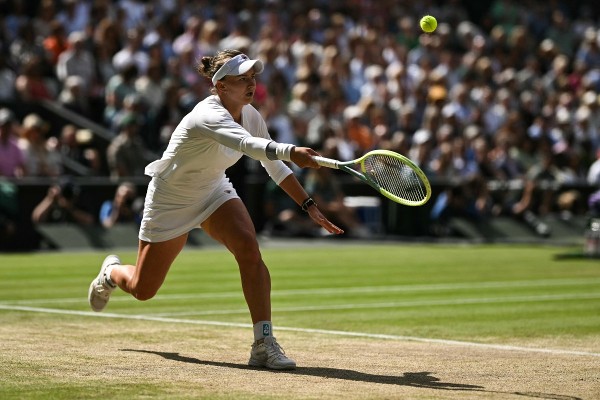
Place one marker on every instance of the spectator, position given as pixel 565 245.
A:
pixel 359 133
pixel 117 88
pixel 40 159
pixel 62 204
pixel 107 42
pixel 208 42
pixel 593 174
pixel 132 52
pixel 537 66
pixel 74 15
pixel 127 154
pixel 77 61
pixel 152 95
pixel 15 17
pixel 74 96
pixel 538 197
pixel 31 85
pixel 57 42
pixel 125 207
pixel 9 215
pixel 190 37
pixel 26 46
pixel 327 192
pixel 12 161
pixel 469 198
pixel 283 218
pixel 421 148
pixel 42 22
pixel 160 37
pixel 133 105
pixel 168 116
pixel 150 88
pixel 7 80
pixel 77 152
pixel 135 13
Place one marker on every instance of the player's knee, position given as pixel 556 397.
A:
pixel 247 252
pixel 143 296
pixel 144 293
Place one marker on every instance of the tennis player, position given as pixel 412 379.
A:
pixel 189 189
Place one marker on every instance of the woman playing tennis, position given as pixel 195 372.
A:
pixel 189 189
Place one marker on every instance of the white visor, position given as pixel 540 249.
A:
pixel 237 65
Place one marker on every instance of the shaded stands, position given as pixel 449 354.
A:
pixel 397 222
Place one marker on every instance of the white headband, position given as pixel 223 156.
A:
pixel 237 65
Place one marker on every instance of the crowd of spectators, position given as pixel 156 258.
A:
pixel 506 92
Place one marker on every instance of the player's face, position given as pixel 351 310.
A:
pixel 241 88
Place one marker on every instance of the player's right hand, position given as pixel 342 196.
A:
pixel 303 157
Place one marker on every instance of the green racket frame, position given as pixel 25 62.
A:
pixel 347 166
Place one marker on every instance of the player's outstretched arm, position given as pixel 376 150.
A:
pixel 295 190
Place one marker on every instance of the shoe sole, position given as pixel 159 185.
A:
pixel 253 363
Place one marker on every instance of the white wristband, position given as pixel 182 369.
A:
pixel 283 151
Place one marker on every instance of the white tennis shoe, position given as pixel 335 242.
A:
pixel 267 353
pixel 100 288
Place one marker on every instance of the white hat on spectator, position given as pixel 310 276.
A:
pixel 449 110
pixel 34 121
pixel 151 39
pixel 588 98
pixel 77 37
pixel 583 113
pixel 422 136
pixel 352 112
pixel 6 116
pixel 84 136
pixel 563 116
pixel 471 132
pixel 373 72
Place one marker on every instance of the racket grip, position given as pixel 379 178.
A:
pixel 327 162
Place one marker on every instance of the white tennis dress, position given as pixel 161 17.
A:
pixel 189 182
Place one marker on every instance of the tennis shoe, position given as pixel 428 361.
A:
pixel 269 354
pixel 101 288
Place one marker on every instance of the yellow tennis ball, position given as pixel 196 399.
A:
pixel 428 23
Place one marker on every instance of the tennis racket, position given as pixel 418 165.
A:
pixel 391 174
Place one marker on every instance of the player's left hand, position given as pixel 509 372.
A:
pixel 320 219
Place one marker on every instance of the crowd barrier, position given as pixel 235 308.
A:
pixel 385 218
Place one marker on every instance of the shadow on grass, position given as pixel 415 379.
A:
pixel 412 379
pixel 418 379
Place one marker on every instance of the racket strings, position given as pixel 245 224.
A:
pixel 397 178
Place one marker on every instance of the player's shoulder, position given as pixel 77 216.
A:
pixel 251 114
pixel 210 110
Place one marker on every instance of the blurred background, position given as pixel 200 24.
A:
pixel 499 106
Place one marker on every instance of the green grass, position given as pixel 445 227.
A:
pixel 519 295
pixel 453 292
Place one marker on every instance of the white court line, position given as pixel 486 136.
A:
pixel 347 290
pixel 303 330
pixel 399 304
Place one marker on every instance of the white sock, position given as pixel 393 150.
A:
pixel 107 273
pixel 262 329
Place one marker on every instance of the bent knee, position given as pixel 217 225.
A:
pixel 248 253
pixel 143 294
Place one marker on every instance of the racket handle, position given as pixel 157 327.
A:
pixel 327 162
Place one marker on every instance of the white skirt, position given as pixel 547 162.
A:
pixel 168 214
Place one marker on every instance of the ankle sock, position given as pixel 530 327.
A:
pixel 107 273
pixel 262 329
